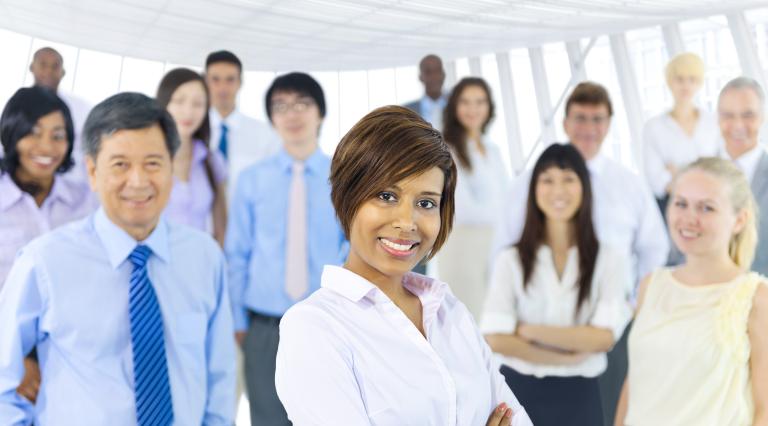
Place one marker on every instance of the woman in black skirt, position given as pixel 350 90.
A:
pixel 558 299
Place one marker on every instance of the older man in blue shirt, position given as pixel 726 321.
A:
pixel 129 314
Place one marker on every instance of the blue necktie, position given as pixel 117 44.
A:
pixel 223 142
pixel 150 370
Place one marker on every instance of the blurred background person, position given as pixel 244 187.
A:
pixel 681 135
pixel 199 173
pixel 430 106
pixel 481 186
pixel 741 114
pixel 698 350
pixel 47 68
pixel 282 232
pixel 242 140
pixel 557 302
pixel 37 136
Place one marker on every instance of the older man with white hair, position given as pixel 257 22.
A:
pixel 741 113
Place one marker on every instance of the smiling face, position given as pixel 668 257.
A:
pixel 43 150
pixel 701 217
pixel 132 175
pixel 558 193
pixel 740 116
pixel 188 107
pixel 684 87
pixel 473 108
pixel 392 232
pixel 297 121
pixel 587 126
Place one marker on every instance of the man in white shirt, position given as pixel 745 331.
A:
pixel 47 68
pixel 626 216
pixel 242 140
pixel 430 106
pixel 741 113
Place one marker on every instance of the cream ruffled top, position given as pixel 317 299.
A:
pixel 689 353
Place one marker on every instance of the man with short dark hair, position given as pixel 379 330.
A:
pixel 129 313
pixel 242 140
pixel 431 105
pixel 47 68
pixel 626 216
pixel 282 230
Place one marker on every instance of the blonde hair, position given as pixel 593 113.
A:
pixel 685 64
pixel 742 246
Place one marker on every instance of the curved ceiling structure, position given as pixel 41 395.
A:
pixel 333 35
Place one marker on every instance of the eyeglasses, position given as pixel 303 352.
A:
pixel 298 106
pixel 597 120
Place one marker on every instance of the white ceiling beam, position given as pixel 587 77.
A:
pixel 630 94
pixel 673 39
pixel 511 116
pixel 745 47
pixel 543 98
pixel 578 70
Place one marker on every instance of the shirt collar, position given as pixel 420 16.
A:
pixel 597 164
pixel 747 162
pixel 119 244
pixel 440 102
pixel 232 120
pixel 346 283
pixel 199 151
pixel 11 193
pixel 313 163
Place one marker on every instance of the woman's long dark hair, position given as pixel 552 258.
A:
pixel 453 132
pixel 562 157
pixel 170 82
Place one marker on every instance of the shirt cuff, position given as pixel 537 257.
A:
pixel 614 317
pixel 494 322
pixel 240 318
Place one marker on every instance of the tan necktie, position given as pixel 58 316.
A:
pixel 296 264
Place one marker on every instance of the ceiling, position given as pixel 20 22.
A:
pixel 335 35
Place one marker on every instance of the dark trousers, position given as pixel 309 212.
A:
pixel 612 379
pixel 557 401
pixel 260 352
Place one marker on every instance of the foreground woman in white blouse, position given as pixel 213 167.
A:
pixel 558 298
pixel 377 344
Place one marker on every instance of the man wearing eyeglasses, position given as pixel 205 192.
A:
pixel 625 213
pixel 275 249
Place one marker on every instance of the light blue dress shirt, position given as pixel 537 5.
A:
pixel 257 228
pixel 67 294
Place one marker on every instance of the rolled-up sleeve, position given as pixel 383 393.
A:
pixel 499 311
pixel 613 310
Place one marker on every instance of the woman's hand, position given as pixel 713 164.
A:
pixel 501 416
pixel 30 384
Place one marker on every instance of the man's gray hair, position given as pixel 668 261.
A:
pixel 127 111
pixel 745 83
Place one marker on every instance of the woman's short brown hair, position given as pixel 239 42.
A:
pixel 388 145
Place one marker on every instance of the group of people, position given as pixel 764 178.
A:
pixel 162 249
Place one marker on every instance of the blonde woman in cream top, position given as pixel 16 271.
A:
pixel 698 349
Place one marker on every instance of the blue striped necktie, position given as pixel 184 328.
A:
pixel 150 370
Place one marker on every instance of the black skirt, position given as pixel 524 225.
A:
pixel 557 401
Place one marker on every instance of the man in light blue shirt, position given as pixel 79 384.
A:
pixel 282 230
pixel 129 314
